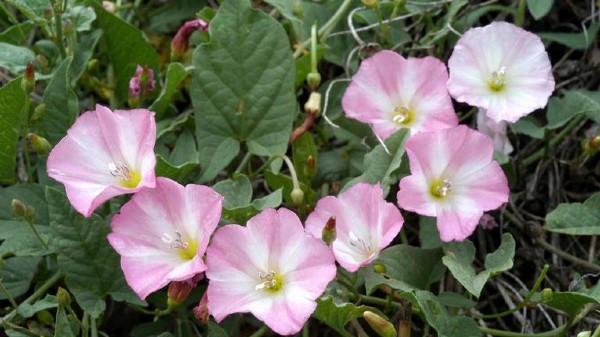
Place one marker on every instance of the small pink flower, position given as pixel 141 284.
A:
pixel 390 92
pixel 496 131
pixel 453 178
pixel 270 268
pixel 364 224
pixel 162 234
pixel 501 68
pixel 180 42
pixel 142 83
pixel 105 154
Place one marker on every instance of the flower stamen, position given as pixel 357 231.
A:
pixel 186 249
pixel 441 188
pixel 271 281
pixel 498 80
pixel 364 246
pixel 128 178
pixel 402 115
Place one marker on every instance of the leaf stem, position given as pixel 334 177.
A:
pixel 243 163
pixel 520 15
pixel 58 10
pixel 522 304
pixel 567 256
pixel 8 295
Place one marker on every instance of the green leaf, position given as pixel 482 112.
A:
pixel 90 265
pixel 17 34
pixel 20 240
pixel 17 274
pixel 574 40
pixel 182 160
pixel 164 168
pixel 83 53
pixel 215 330
pixel 280 181
pixel 242 87
pixel 528 126
pixel 81 17
pixel 336 316
pixel 406 268
pixel 12 99
pixel 126 48
pixel 380 166
pixel 459 260
pixel 304 148
pixel 14 58
pixel 428 233
pixel 27 310
pixel 62 105
pixel 31 8
pixel 237 192
pixel 62 326
pixel 176 73
pixel 573 103
pixel 285 7
pixel 574 302
pixel 576 218
pixel 539 8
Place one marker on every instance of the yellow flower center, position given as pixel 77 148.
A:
pixel 440 188
pixel 497 81
pixel 272 282
pixel 403 116
pixel 186 249
pixel 128 178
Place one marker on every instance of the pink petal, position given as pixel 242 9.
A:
pixel 481 51
pixel 457 226
pixel 414 195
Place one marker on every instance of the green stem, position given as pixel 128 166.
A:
pixel 290 165
pixel 260 331
pixel 553 142
pixel 26 107
pixel 383 26
pixel 94 328
pixel 313 48
pixel 37 234
pixel 503 333
pixel 327 27
pixel 18 328
pixel 243 163
pixel 526 300
pixel 520 15
pixel 8 295
pixel 36 294
pixel 596 332
pixel 59 28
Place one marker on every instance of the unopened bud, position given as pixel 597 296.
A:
pixel 591 146
pixel 62 297
pixel 201 310
pixel 547 294
pixel 371 3
pixel 45 317
pixel 298 8
pixel 19 209
pixel 180 42
pixel 329 232
pixel 313 80
pixel 92 65
pixel 379 268
pixel 178 292
pixel 313 105
pixel 379 324
pixel 297 196
pixel 109 6
pixel 38 112
pixel 39 144
pixel 28 81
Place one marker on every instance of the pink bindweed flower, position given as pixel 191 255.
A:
pixel 364 224
pixel 453 178
pixel 105 154
pixel 496 131
pixel 162 234
pixel 390 92
pixel 503 69
pixel 271 268
pixel 180 42
pixel 141 84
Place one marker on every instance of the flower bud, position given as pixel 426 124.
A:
pixel 19 209
pixel 329 233
pixel 39 144
pixel 547 294
pixel 379 268
pixel 45 317
pixel 379 324
pixel 298 8
pixel 371 3
pixel 313 80
pixel 487 222
pixel 38 112
pixel 63 298
pixel 178 292
pixel 591 146
pixel 180 42
pixel 28 81
pixel 92 65
pixel 109 6
pixel 297 196
pixel 313 105
pixel 141 84
pixel 201 310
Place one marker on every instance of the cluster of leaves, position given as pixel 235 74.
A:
pixel 224 118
